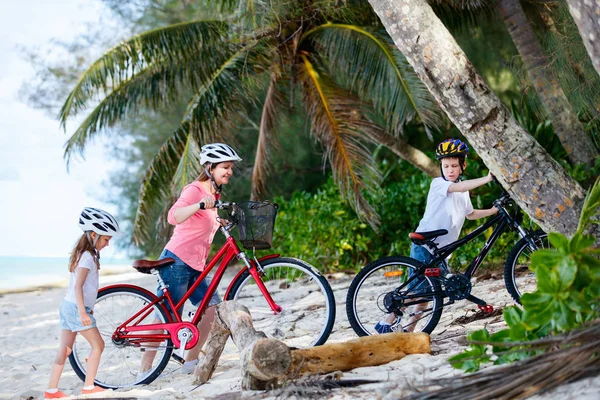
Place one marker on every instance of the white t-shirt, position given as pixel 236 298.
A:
pixel 445 210
pixel 90 286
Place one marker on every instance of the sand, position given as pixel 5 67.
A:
pixel 30 337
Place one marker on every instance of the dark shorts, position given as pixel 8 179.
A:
pixel 180 277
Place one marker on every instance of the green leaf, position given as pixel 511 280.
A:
pixel 545 257
pixel 512 315
pixel 579 242
pixel 559 241
pixel 566 272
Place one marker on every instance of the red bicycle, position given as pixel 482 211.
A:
pixel 287 298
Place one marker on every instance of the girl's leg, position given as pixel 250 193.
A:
pixel 95 340
pixel 204 329
pixel 67 338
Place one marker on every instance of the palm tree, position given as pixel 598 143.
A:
pixel 586 16
pixel 570 131
pixel 335 54
pixel 538 184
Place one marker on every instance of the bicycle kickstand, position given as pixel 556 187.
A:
pixel 482 305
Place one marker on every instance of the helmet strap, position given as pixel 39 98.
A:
pixel 93 243
pixel 212 179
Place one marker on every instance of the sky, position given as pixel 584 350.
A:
pixel 40 201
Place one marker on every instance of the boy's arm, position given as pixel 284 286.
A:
pixel 476 214
pixel 470 184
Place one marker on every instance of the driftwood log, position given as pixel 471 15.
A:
pixel 265 362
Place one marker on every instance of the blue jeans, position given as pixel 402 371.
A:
pixel 420 253
pixel 180 277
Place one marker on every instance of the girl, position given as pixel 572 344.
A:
pixel 194 231
pixel 76 310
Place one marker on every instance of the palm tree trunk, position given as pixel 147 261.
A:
pixel 587 17
pixel 539 185
pixel 576 142
pixel 407 152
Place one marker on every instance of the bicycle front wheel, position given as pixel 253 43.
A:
pixel 121 362
pixel 306 299
pixel 364 302
pixel 518 277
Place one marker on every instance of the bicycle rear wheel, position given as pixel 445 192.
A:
pixel 306 299
pixel 364 302
pixel 121 361
pixel 518 277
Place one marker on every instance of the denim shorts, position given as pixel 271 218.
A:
pixel 70 320
pixel 420 253
pixel 180 277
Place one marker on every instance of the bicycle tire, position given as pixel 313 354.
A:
pixel 517 275
pixel 119 365
pixel 364 306
pixel 306 298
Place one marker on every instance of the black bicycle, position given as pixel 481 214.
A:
pixel 417 293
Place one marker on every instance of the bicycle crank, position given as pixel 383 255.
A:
pixel 457 287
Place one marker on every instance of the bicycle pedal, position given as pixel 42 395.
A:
pixel 487 308
pixel 177 358
pixel 433 271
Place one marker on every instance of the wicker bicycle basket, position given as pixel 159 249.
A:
pixel 256 224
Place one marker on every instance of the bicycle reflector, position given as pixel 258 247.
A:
pixel 432 272
pixel 392 274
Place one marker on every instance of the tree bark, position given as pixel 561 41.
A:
pixel 586 14
pixel 576 142
pixel 267 362
pixel 366 351
pixel 538 184
pixel 407 152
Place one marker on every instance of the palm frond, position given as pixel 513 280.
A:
pixel 156 85
pixel 176 42
pixel 267 138
pixel 174 165
pixel 339 124
pixel 368 63
pixel 229 89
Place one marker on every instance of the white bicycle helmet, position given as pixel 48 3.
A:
pixel 99 221
pixel 217 153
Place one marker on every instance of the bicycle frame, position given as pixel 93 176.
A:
pixel 502 221
pixel 226 253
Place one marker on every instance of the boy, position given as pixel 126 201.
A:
pixel 448 204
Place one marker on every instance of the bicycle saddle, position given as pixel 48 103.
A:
pixel 145 266
pixel 421 238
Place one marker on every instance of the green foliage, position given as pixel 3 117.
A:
pixel 567 295
pixel 323 230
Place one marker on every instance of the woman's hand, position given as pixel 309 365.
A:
pixel 85 319
pixel 209 202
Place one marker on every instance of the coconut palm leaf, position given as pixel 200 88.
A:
pixel 368 63
pixel 229 89
pixel 173 43
pixel 158 181
pixel 267 139
pixel 210 116
pixel 338 123
pixel 154 86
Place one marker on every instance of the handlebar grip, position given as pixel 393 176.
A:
pixel 217 204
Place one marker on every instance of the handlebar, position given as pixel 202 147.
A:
pixel 222 205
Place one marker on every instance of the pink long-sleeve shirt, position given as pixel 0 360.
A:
pixel 191 239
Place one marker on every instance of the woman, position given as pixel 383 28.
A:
pixel 194 231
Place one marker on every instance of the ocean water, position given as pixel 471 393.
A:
pixel 20 273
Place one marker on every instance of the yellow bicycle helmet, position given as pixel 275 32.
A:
pixel 451 148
